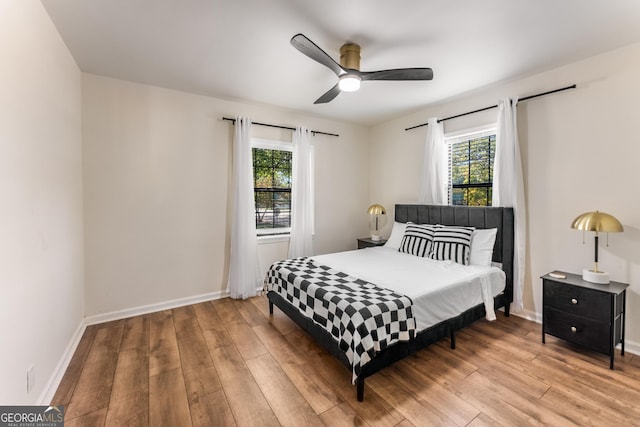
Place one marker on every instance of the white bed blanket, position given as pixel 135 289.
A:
pixel 439 290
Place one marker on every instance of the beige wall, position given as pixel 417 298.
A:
pixel 157 173
pixel 580 152
pixel 41 242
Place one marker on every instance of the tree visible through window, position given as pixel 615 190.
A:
pixel 471 169
pixel 272 190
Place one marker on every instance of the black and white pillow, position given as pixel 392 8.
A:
pixel 452 243
pixel 417 239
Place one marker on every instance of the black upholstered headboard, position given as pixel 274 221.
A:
pixel 475 216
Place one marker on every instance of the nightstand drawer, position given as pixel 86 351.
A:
pixel 578 301
pixel 579 330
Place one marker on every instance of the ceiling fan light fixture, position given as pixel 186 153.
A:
pixel 349 83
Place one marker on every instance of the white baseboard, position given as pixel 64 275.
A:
pixel 152 308
pixel 632 347
pixel 529 315
pixel 51 386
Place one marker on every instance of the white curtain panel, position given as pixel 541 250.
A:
pixel 300 242
pixel 433 183
pixel 508 188
pixel 244 270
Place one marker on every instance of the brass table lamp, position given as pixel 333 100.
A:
pixel 599 222
pixel 375 211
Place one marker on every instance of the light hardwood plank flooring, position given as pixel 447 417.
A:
pixel 229 363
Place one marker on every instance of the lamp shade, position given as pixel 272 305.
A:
pixel 598 222
pixel 376 209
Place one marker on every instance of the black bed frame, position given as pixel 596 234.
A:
pixel 479 217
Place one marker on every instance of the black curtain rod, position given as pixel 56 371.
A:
pixel 573 86
pixel 315 132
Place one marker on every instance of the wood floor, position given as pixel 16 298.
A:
pixel 228 362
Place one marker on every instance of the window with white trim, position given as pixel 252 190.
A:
pixel 471 157
pixel 272 182
pixel 272 186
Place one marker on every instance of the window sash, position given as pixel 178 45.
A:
pixel 273 203
pixel 474 172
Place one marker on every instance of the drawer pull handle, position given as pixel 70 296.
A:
pixel 574 329
pixel 574 301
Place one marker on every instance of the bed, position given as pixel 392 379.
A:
pixel 393 317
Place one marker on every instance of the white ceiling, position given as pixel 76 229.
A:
pixel 239 50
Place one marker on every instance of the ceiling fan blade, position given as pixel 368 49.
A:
pixel 398 74
pixel 328 95
pixel 309 48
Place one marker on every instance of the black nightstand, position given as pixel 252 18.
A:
pixel 367 242
pixel 584 313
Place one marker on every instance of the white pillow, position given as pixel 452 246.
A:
pixel 482 243
pixel 396 235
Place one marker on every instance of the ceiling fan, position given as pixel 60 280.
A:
pixel 348 71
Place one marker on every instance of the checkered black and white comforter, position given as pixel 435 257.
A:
pixel 362 317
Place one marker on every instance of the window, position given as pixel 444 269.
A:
pixel 471 157
pixel 272 186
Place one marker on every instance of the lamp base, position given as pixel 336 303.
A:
pixel 593 276
pixel 375 237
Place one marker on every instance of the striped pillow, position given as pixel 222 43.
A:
pixel 452 243
pixel 417 239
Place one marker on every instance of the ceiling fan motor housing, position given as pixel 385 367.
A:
pixel 350 56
